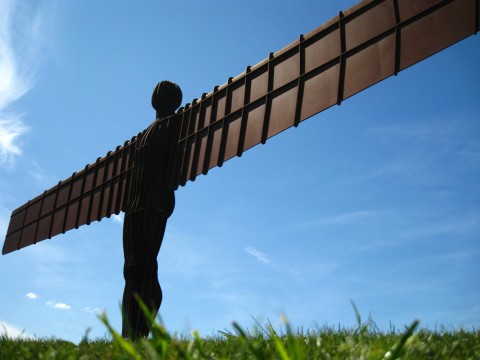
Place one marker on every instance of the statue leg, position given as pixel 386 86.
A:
pixel 142 236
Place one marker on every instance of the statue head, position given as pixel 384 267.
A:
pixel 166 98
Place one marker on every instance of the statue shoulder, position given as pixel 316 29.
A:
pixel 156 134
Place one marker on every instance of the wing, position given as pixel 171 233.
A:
pixel 360 47
pixel 95 192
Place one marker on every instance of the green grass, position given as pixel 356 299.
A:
pixel 362 342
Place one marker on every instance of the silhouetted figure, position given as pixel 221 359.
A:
pixel 150 204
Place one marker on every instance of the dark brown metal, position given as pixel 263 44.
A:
pixel 267 99
pixel 301 82
pixel 398 37
pixel 477 16
pixel 380 39
pixel 53 207
pixel 150 204
pixel 342 58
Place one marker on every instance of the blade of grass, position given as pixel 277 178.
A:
pixel 118 339
pixel 395 352
pixel 280 348
pixel 260 326
pixel 357 314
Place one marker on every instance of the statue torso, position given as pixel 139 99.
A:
pixel 148 188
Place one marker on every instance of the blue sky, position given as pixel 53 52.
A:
pixel 376 200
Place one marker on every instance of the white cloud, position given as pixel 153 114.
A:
pixel 89 310
pixel 118 218
pixel 20 40
pixel 31 296
pixel 11 128
pixel 13 332
pixel 59 306
pixel 257 254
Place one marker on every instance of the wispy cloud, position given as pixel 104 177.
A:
pixel 453 140
pixel 20 41
pixel 49 261
pixel 341 219
pixel 39 175
pixel 468 224
pixel 31 296
pixel 257 254
pixel 11 128
pixel 421 132
pixel 57 305
pixel 451 132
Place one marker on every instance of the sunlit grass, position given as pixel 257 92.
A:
pixel 364 341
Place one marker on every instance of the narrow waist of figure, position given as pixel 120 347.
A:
pixel 140 270
pixel 141 265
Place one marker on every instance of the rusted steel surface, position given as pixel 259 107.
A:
pixel 91 194
pixel 358 48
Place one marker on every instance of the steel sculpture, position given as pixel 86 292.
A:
pixel 358 48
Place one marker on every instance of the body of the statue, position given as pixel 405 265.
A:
pixel 150 204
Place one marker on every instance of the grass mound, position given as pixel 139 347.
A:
pixel 362 342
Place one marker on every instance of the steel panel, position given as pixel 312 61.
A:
pixel 320 92
pixel 200 152
pixel 437 31
pixel 368 24
pixel 283 111
pixel 233 136
pixel 72 212
pixel 237 98
pixel 28 235
pixel 216 143
pixel 410 8
pixel 369 66
pixel 58 221
pixel 255 119
pixel 259 84
pixel 48 203
pixel 286 70
pixel 323 49
pixel 43 231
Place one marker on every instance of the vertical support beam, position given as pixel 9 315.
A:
pixel 477 16
pixel 23 222
pixel 228 106
pixel 210 135
pixel 54 207
pixel 268 98
pixel 301 81
pixel 342 58
pixel 38 222
pixel 398 37
pixel 90 204
pixel 84 175
pixel 246 100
